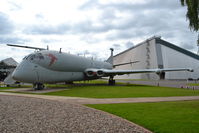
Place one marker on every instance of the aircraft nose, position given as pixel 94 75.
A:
pixel 25 73
pixel 16 75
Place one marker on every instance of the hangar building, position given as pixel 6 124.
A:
pixel 7 66
pixel 158 53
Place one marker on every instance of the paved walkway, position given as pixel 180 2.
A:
pixel 78 100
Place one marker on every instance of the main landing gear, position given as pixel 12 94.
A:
pixel 111 81
pixel 38 86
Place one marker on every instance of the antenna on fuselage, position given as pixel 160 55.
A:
pixel 60 50
pixel 47 47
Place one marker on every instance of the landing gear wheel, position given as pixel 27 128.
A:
pixel 38 86
pixel 111 81
pixel 70 83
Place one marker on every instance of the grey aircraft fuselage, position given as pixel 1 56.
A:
pixel 48 66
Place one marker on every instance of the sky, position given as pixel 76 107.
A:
pixel 91 27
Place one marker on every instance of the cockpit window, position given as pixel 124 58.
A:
pixel 34 56
pixel 39 55
pixel 26 57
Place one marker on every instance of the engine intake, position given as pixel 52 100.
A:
pixel 94 72
pixel 100 73
pixel 90 73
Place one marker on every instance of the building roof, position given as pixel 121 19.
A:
pixel 177 48
pixel 9 62
pixel 149 39
pixel 167 44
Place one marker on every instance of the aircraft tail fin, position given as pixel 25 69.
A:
pixel 110 59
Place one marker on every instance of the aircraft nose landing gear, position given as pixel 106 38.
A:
pixel 111 81
pixel 38 86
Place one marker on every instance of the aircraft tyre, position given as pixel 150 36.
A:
pixel 111 82
pixel 70 83
pixel 38 86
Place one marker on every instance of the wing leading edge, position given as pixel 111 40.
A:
pixel 107 72
pixel 121 72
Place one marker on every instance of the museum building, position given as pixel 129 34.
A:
pixel 158 53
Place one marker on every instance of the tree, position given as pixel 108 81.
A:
pixel 192 14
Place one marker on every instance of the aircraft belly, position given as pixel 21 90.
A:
pixel 49 76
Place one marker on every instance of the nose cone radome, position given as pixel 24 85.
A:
pixel 25 73
pixel 15 75
pixel 18 75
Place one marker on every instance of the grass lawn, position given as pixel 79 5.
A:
pixel 123 91
pixel 14 87
pixel 194 84
pixel 162 117
pixel 5 88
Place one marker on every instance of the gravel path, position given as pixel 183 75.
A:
pixel 23 114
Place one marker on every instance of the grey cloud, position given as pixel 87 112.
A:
pixel 106 22
pixel 89 38
pixel 129 44
pixel 39 16
pixel 6 26
pixel 89 27
pixel 154 17
pixel 128 34
pixel 14 6
pixel 149 4
pixel 50 40
pixel 47 29
pixel 76 28
pixel 116 46
pixel 89 4
pixel 12 39
pixel 85 52
pixel 155 23
pixel 120 35
pixel 188 46
pixel 157 18
pixel 140 24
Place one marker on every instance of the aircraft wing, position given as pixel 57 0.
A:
pixel 121 72
pixel 107 72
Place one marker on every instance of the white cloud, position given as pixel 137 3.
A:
pixel 91 26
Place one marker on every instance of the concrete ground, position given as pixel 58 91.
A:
pixel 31 90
